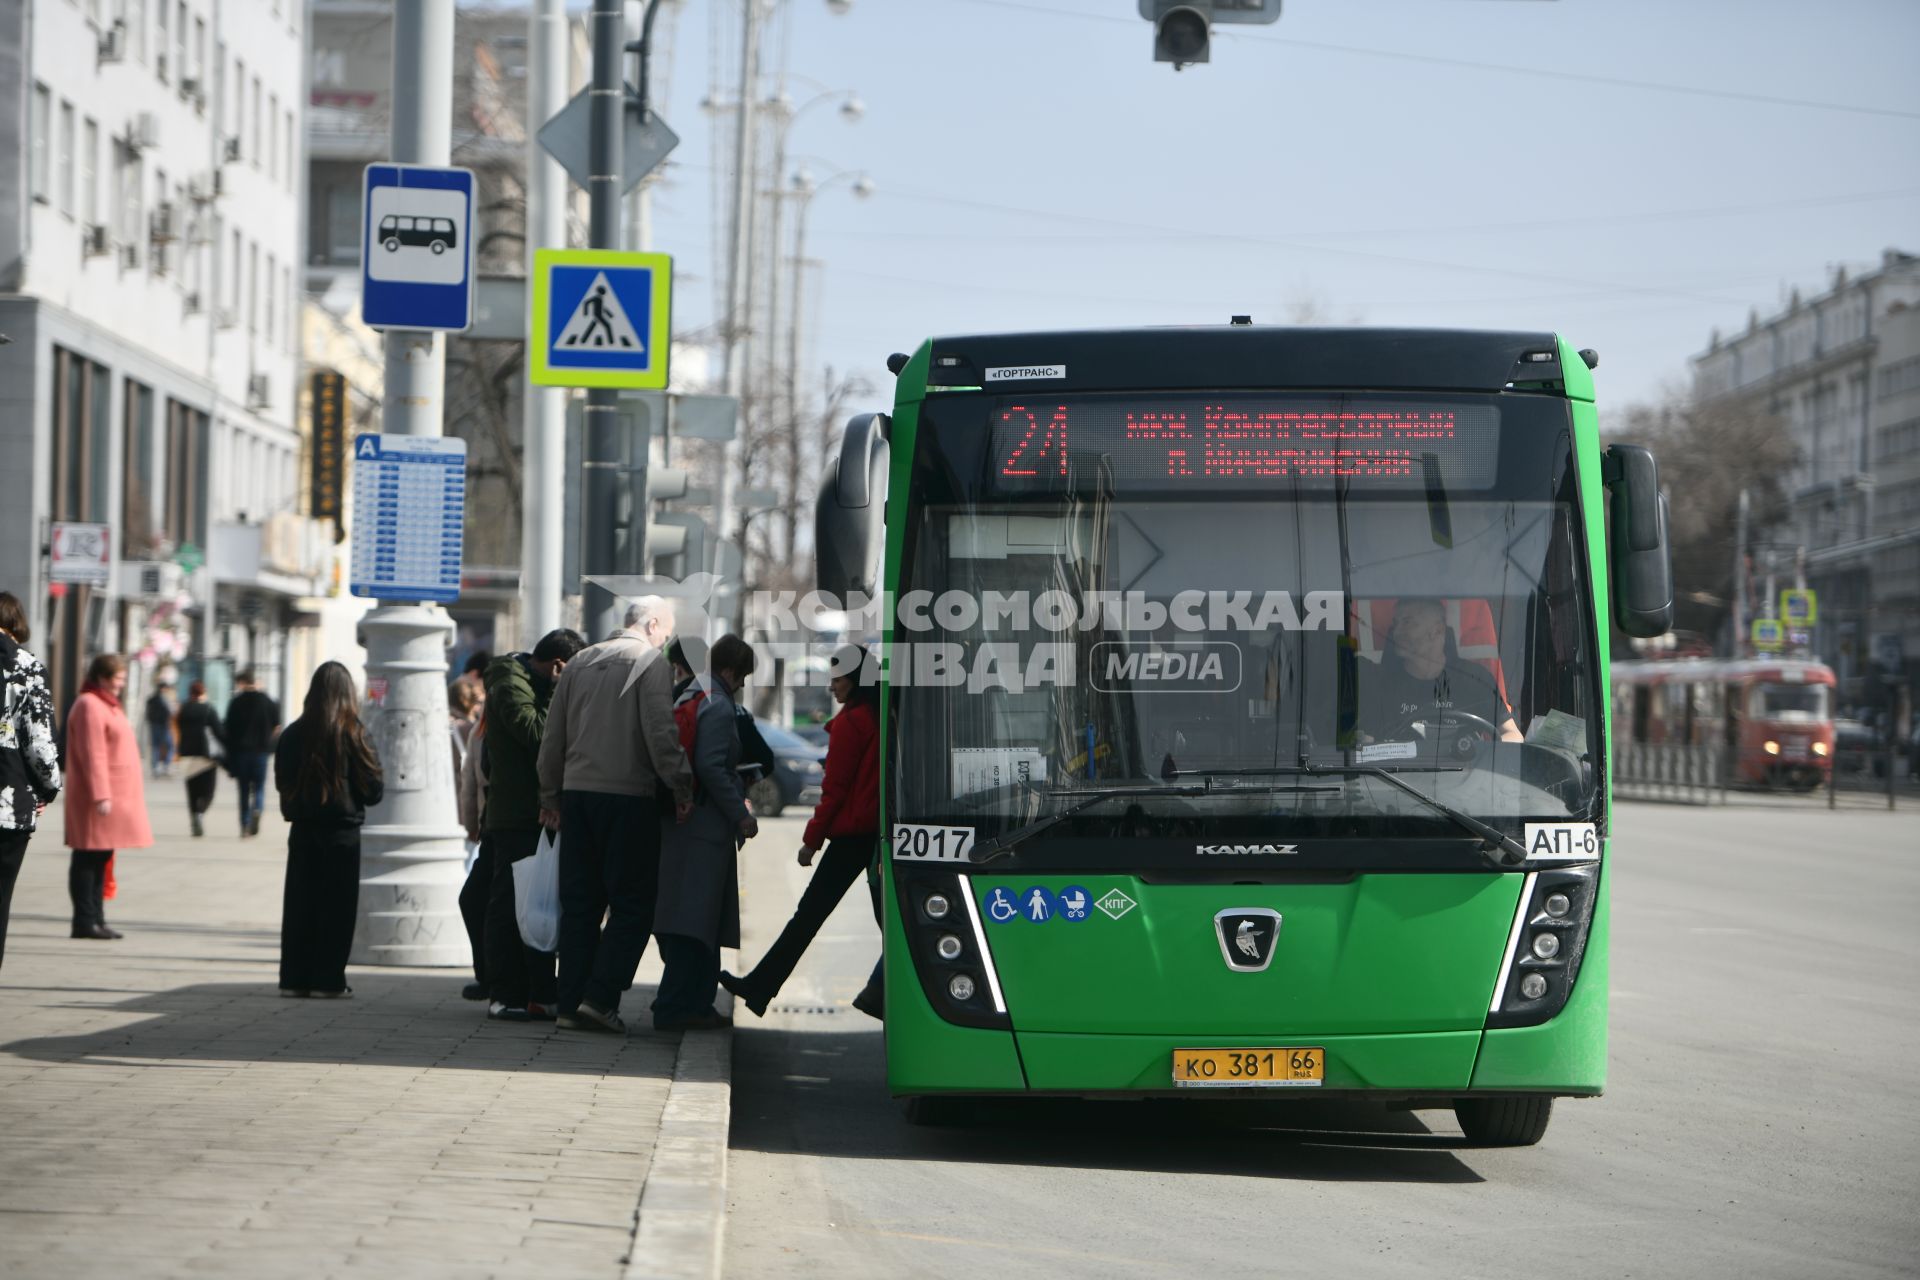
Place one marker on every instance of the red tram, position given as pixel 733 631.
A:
pixel 1773 717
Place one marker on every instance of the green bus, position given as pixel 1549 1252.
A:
pixel 1245 719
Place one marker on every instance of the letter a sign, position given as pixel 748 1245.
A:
pixel 600 318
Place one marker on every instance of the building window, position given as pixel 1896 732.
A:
pixel 233 299
pixel 253 287
pixel 136 18
pixel 65 176
pixel 186 493
pixel 89 171
pixel 291 154
pixel 200 53
pixel 253 142
pixel 292 305
pixel 160 41
pixel 273 136
pixel 179 38
pixel 128 174
pixel 271 283
pixel 343 224
pixel 139 514
pixel 239 99
pixel 42 125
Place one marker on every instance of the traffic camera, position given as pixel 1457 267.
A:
pixel 1182 29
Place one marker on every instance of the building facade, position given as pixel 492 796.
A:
pixel 151 187
pixel 1843 371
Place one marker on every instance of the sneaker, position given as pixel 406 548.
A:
pixel 473 991
pixel 588 1018
pixel 537 1012
pixel 497 1011
pixel 744 994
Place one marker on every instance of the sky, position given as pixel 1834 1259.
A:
pixel 1459 163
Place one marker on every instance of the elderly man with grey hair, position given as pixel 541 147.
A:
pixel 609 759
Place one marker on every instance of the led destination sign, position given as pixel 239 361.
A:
pixel 1240 442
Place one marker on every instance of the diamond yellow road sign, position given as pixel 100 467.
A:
pixel 600 318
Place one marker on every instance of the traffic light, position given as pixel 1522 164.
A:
pixel 666 537
pixel 1182 28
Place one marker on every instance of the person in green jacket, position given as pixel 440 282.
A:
pixel 519 688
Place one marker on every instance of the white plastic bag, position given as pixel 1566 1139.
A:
pixel 536 895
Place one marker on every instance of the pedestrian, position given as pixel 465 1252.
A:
pixel 474 670
pixel 29 761
pixel 160 730
pixel 847 821
pixel 610 749
pixel 471 792
pixel 199 730
pixel 327 774
pixel 464 700
pixel 253 719
pixel 754 750
pixel 698 911
pixel 519 692
pixel 106 807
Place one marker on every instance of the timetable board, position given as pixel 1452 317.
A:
pixel 409 517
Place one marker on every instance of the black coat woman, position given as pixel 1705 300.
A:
pixel 199 727
pixel 327 774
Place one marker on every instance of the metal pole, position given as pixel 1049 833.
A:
pixel 413 850
pixel 544 415
pixel 1740 578
pixel 602 457
pixel 740 273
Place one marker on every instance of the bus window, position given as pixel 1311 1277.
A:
pixel 1797 702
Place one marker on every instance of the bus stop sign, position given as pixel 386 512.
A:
pixel 416 248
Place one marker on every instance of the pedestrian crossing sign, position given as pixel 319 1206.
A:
pixel 600 318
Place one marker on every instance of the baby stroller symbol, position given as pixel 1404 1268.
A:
pixel 1000 907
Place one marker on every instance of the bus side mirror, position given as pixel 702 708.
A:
pixel 1638 551
pixel 849 520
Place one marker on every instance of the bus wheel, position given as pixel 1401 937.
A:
pixel 937 1111
pixel 1504 1122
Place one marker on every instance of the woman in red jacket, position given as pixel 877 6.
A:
pixel 106 805
pixel 847 821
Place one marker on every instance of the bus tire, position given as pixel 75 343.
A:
pixel 1504 1122
pixel 937 1111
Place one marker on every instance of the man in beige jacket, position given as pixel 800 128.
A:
pixel 610 751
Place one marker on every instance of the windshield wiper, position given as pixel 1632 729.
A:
pixel 1002 845
pixel 1496 842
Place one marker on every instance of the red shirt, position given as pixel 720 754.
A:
pixel 850 793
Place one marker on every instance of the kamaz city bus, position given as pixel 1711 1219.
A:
pixel 1246 713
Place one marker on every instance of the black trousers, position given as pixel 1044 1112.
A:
pixel 87 886
pixel 317 907
pixel 250 780
pixel 516 973
pixel 200 790
pixel 841 863
pixel 609 864
pixel 691 980
pixel 473 908
pixel 13 851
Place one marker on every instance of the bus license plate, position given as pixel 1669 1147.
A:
pixel 1272 1068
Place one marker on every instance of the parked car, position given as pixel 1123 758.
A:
pixel 798 767
pixel 814 733
pixel 1858 748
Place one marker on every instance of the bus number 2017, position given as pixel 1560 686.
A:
pixel 932 844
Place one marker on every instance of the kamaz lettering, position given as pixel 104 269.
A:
pixel 1245 850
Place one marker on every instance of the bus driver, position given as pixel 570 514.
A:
pixel 1417 680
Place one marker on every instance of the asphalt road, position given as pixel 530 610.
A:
pixel 1761 1120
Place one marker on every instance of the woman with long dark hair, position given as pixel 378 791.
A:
pixel 327 774
pixel 847 821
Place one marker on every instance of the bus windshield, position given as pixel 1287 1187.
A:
pixel 1802 702
pixel 1223 647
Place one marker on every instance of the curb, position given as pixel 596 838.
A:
pixel 680 1222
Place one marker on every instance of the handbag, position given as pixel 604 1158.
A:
pixel 536 895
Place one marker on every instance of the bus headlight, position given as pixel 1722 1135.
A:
pixel 1820 748
pixel 948 953
pixel 1771 747
pixel 949 946
pixel 960 987
pixel 937 906
pixel 1546 945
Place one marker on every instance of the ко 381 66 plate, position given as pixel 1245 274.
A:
pixel 1273 1068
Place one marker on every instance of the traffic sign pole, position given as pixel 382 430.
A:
pixel 413 852
pixel 601 455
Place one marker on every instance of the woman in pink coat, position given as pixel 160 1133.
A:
pixel 106 808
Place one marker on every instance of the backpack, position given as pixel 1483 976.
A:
pixel 686 718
